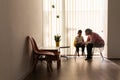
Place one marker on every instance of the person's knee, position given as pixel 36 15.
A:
pixel 90 45
pixel 83 46
pixel 77 47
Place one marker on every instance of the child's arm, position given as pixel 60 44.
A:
pixel 83 42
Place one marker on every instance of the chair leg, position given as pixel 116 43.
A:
pixel 75 54
pixel 35 61
pixel 49 63
pixel 93 50
pixel 101 54
pixel 58 64
pixel 49 66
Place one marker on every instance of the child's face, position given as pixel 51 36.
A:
pixel 79 34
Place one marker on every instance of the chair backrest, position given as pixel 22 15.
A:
pixel 36 50
pixel 34 45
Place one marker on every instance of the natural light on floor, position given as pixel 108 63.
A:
pixel 66 17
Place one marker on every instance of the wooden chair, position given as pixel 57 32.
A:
pixel 38 55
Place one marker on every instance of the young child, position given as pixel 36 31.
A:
pixel 79 42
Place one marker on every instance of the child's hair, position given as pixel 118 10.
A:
pixel 79 31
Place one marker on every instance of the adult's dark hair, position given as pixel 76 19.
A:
pixel 79 31
pixel 88 30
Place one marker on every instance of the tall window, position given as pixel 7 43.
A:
pixel 73 15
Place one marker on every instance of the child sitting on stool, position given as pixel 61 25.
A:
pixel 79 42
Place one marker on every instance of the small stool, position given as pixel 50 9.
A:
pixel 99 51
pixel 76 54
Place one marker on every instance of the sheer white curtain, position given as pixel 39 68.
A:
pixel 51 24
pixel 73 15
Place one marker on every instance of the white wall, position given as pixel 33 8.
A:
pixel 114 29
pixel 18 19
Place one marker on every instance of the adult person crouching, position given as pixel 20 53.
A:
pixel 93 40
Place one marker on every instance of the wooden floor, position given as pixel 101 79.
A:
pixel 79 69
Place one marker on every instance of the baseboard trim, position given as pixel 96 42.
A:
pixel 113 58
pixel 25 75
pixel 28 74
